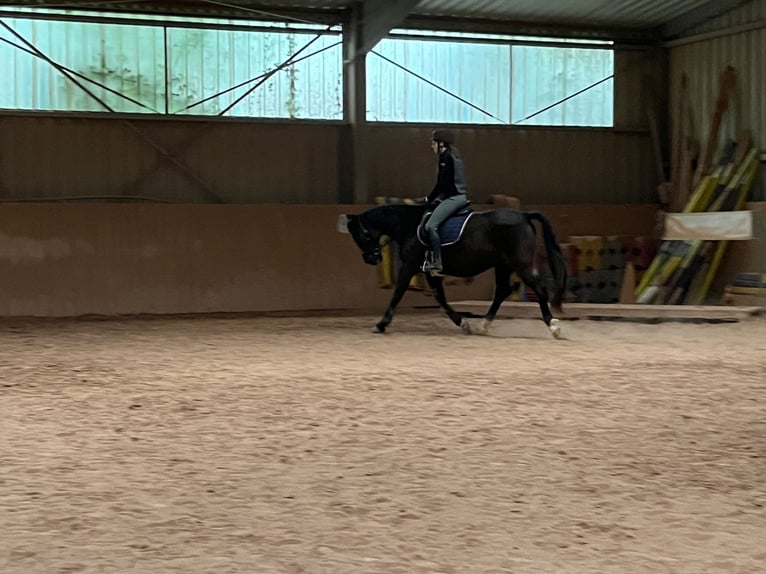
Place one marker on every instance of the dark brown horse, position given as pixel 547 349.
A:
pixel 503 239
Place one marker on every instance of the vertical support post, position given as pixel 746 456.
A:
pixel 167 69
pixel 351 150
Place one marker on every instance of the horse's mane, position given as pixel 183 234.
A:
pixel 403 215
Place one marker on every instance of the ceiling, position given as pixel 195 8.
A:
pixel 618 19
pixel 643 14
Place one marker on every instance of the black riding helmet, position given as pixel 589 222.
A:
pixel 443 136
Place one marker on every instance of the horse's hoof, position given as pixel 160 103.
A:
pixel 378 329
pixel 555 328
pixel 465 327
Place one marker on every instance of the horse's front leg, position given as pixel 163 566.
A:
pixel 437 284
pixel 406 273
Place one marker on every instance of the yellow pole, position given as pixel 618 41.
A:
pixel 701 294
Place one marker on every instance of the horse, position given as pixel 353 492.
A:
pixel 502 239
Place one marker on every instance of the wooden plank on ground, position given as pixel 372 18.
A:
pixel 530 310
pixel 743 299
pixel 737 290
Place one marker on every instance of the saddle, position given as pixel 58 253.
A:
pixel 451 230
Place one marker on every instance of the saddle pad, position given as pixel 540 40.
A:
pixel 449 231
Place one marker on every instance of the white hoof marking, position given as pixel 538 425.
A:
pixel 555 328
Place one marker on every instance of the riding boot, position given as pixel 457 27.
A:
pixel 436 250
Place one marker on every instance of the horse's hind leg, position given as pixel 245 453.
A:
pixel 503 288
pixel 534 283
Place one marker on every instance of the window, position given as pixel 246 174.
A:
pixel 171 68
pixel 492 82
pixel 438 81
pixel 203 66
pixel 562 86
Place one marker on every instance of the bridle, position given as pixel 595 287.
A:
pixel 375 251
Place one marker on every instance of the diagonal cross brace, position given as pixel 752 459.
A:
pixel 162 151
pixel 171 158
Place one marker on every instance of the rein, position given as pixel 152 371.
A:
pixel 367 232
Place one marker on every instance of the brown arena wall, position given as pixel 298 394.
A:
pixel 66 157
pixel 59 260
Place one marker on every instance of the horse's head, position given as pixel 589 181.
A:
pixel 368 240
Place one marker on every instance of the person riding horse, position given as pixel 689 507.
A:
pixel 450 189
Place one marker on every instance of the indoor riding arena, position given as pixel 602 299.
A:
pixel 191 379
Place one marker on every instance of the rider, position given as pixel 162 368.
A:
pixel 450 188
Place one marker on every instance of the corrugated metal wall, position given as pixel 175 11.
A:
pixel 257 162
pixel 260 161
pixel 539 166
pixel 736 39
pixel 238 161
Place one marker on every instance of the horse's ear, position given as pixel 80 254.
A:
pixel 343 220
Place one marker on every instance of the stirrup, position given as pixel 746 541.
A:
pixel 430 266
pixel 427 260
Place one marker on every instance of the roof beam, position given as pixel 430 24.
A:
pixel 693 18
pixel 235 9
pixel 379 16
pixel 619 35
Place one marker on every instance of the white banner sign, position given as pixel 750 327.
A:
pixel 709 226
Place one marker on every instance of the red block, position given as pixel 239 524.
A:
pixel 642 250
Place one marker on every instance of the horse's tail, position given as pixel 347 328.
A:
pixel 555 258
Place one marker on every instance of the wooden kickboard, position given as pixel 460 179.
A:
pixel 529 310
pixel 738 299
